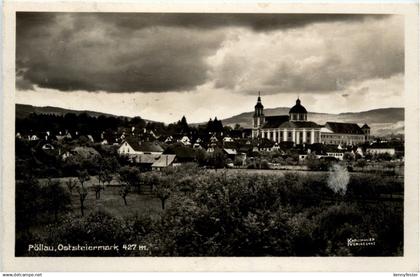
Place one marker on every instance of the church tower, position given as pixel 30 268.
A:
pixel 366 132
pixel 258 117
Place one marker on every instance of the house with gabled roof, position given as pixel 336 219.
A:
pixel 185 140
pixel 135 147
pixel 164 160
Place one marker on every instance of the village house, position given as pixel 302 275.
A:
pixel 33 137
pixel 197 144
pixel 132 147
pixel 169 139
pixel 47 146
pixel 62 136
pixel 185 140
pixel 229 148
pixel 164 160
pixel 324 151
pixel 380 148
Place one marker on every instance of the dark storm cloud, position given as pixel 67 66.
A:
pixel 257 22
pixel 117 52
pixel 71 52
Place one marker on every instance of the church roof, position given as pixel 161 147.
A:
pixel 298 108
pixel 344 128
pixel 299 124
pixel 275 121
pixel 282 121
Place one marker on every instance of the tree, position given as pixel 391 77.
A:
pixel 347 156
pixel 97 189
pixel 361 163
pixel 71 184
pixel 338 179
pixel 83 176
pixel 186 184
pixel 217 126
pixel 384 156
pixel 217 159
pixel 183 126
pixel 124 191
pixel 56 198
pixel 162 190
pixel 101 179
pixel 28 207
pixel 201 157
pixel 130 176
pixel 106 177
pixel 82 197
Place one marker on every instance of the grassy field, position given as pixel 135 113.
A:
pixel 111 201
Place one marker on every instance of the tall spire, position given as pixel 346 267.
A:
pixel 259 106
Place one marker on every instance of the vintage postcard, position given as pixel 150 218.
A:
pixel 210 137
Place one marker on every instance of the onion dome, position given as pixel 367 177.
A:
pixel 298 108
pixel 259 105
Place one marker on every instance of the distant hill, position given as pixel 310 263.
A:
pixel 382 121
pixel 23 111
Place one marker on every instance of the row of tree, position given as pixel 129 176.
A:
pixel 98 126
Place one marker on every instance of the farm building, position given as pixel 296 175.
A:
pixel 164 160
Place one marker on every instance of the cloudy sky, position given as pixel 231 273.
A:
pixel 163 66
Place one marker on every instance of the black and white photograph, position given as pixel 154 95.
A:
pixel 159 134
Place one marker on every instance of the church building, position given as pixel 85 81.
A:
pixel 295 127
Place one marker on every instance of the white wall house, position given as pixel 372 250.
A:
pixel 139 148
pixel 379 150
pixel 185 140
